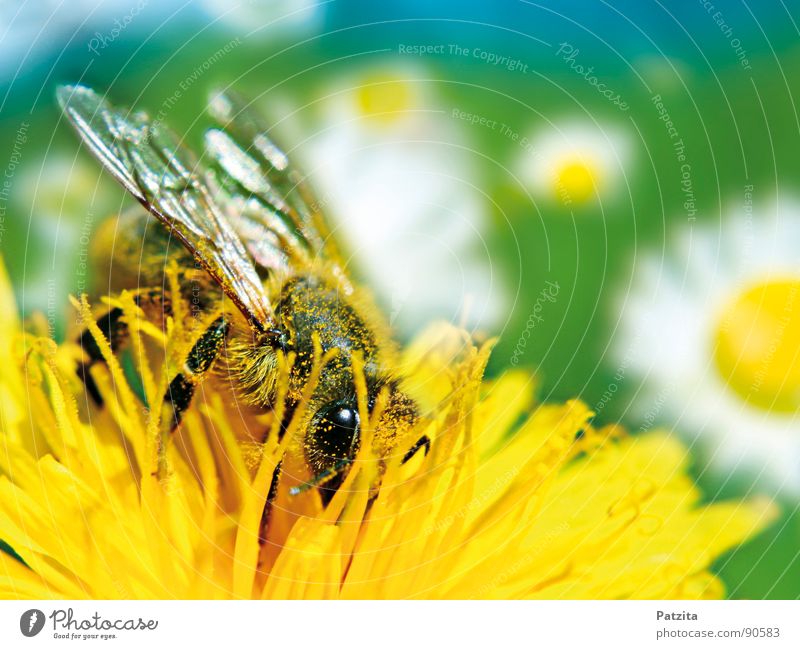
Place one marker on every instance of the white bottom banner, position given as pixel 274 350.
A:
pixel 400 623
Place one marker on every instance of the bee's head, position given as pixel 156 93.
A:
pixel 333 436
pixel 318 318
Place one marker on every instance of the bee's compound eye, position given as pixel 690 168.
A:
pixel 336 435
pixel 345 418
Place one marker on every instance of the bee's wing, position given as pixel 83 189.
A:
pixel 271 196
pixel 148 161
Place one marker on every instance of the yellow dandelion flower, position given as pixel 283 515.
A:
pixel 95 505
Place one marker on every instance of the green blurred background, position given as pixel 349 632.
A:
pixel 738 121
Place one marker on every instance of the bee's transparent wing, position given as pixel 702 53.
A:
pixel 164 177
pixel 258 176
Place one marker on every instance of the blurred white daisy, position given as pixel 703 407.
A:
pixel 575 162
pixel 395 171
pixel 713 332
pixel 267 18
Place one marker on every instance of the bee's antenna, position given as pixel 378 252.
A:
pixel 320 478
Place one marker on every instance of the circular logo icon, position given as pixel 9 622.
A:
pixel 31 622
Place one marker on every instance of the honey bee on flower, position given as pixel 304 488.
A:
pixel 256 265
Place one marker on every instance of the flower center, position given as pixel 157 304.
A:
pixel 576 179
pixel 758 345
pixel 385 99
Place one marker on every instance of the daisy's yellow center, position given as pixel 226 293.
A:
pixel 758 345
pixel 576 179
pixel 385 99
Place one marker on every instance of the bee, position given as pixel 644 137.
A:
pixel 255 252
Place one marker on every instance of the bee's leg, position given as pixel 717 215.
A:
pixel 181 389
pixel 422 441
pixel 273 491
pixel 201 357
pixel 115 330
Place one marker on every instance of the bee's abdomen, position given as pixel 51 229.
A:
pixel 132 251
